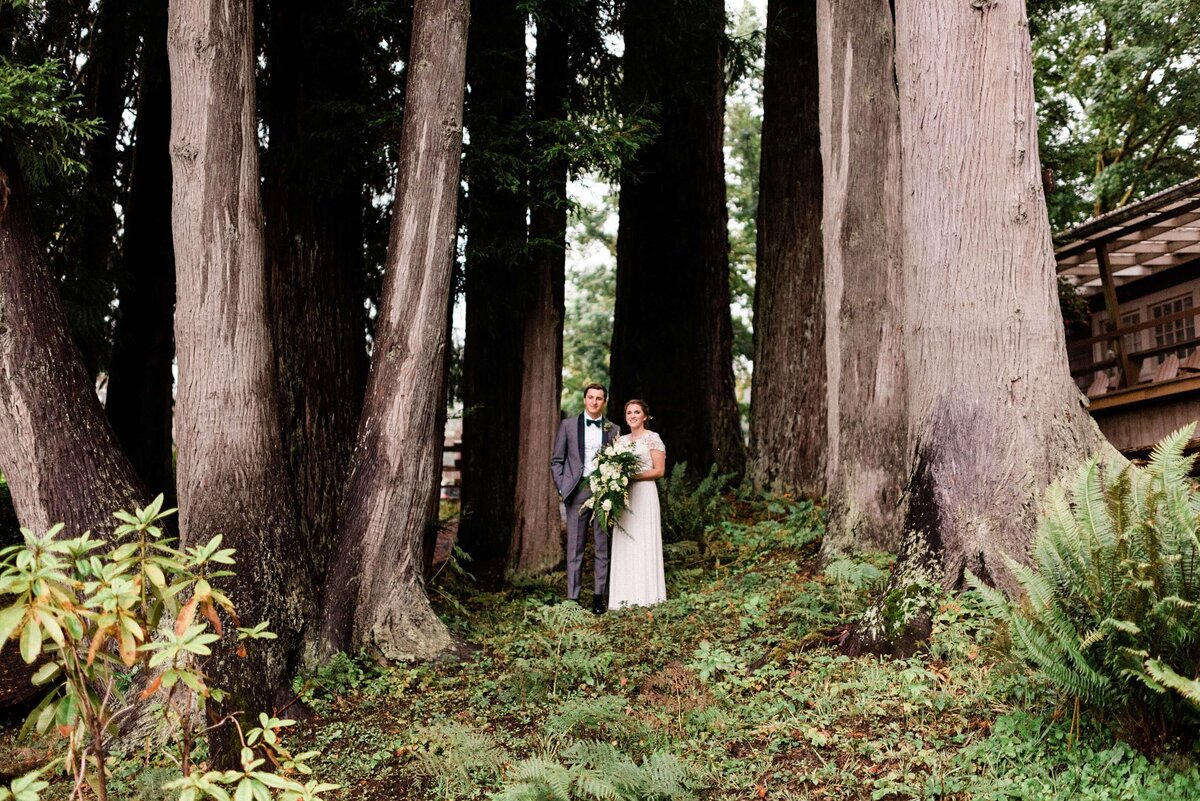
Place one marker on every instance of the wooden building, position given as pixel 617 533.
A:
pixel 1138 266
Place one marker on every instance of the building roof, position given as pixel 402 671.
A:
pixel 1140 239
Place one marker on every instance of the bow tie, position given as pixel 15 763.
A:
pixel 596 423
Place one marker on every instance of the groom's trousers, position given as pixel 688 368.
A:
pixel 578 525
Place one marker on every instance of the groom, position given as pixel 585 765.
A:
pixel 579 440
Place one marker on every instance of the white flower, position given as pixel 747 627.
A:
pixel 624 481
pixel 606 506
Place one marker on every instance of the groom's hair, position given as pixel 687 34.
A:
pixel 600 387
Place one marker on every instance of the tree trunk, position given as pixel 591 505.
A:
pixel 375 598
pixel 867 453
pixel 57 452
pixel 536 545
pixel 787 411
pixel 88 259
pixel 313 199
pixel 232 479
pixel 139 404
pixel 993 416
pixel 672 333
pixel 496 276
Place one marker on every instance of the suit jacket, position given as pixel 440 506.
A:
pixel 566 463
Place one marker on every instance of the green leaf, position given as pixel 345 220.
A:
pixel 10 618
pixel 31 642
pixel 45 673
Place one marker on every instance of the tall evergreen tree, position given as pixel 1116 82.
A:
pixel 867 452
pixel 375 597
pixel 497 275
pixel 993 415
pixel 536 545
pixel 232 471
pixel 787 411
pixel 313 202
pixel 139 404
pixel 672 334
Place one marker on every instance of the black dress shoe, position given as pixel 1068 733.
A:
pixel 599 604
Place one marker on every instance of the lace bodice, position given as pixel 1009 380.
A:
pixel 649 441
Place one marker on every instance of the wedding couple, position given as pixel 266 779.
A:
pixel 628 566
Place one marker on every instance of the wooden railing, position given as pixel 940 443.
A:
pixel 1130 362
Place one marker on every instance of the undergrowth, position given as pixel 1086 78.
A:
pixel 734 688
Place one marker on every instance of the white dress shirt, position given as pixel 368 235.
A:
pixel 593 438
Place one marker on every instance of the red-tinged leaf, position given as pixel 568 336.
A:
pixel 151 688
pixel 762 791
pixel 241 651
pixel 186 615
pixel 97 640
pixel 210 613
pixel 128 648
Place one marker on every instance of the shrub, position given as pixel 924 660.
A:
pixel 89 613
pixel 1111 609
pixel 687 509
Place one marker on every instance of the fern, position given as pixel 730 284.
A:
pixel 1111 607
pixel 455 758
pixel 594 770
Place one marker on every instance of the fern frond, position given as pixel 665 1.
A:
pixel 1164 675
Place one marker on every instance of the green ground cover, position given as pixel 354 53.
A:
pixel 731 689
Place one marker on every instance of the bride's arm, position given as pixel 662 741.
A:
pixel 658 467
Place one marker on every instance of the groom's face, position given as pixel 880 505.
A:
pixel 593 401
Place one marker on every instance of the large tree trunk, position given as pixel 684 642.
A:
pixel 496 276
pixel 993 416
pixel 375 598
pixel 864 304
pixel 313 199
pixel 232 479
pixel 672 334
pixel 787 411
pixel 57 452
pixel 536 545
pixel 140 403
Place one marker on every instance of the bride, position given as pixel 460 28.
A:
pixel 636 565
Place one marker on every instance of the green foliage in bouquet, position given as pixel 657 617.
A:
pixel 1111 609
pixel 616 464
pixel 688 509
pixel 88 613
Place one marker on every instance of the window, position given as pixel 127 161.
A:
pixel 1172 331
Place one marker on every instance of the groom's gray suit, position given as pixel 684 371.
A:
pixel 566 467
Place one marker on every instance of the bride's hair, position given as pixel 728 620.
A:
pixel 639 402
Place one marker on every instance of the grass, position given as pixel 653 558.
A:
pixel 731 689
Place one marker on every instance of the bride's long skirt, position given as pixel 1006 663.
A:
pixel 635 571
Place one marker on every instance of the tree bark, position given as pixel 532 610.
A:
pixel 375 598
pixel 993 416
pixel 672 333
pixel 140 403
pixel 231 475
pixel 867 454
pixel 787 400
pixel 496 276
pixel 57 452
pixel 313 199
pixel 536 545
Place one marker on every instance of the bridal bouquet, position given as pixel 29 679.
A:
pixel 616 464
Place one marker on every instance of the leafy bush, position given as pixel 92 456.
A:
pixel 89 615
pixel 1111 612
pixel 688 510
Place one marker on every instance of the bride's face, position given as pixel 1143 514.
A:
pixel 635 417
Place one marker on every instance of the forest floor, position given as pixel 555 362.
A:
pixel 731 689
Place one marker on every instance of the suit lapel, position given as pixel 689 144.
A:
pixel 582 445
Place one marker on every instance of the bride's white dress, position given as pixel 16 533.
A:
pixel 635 572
